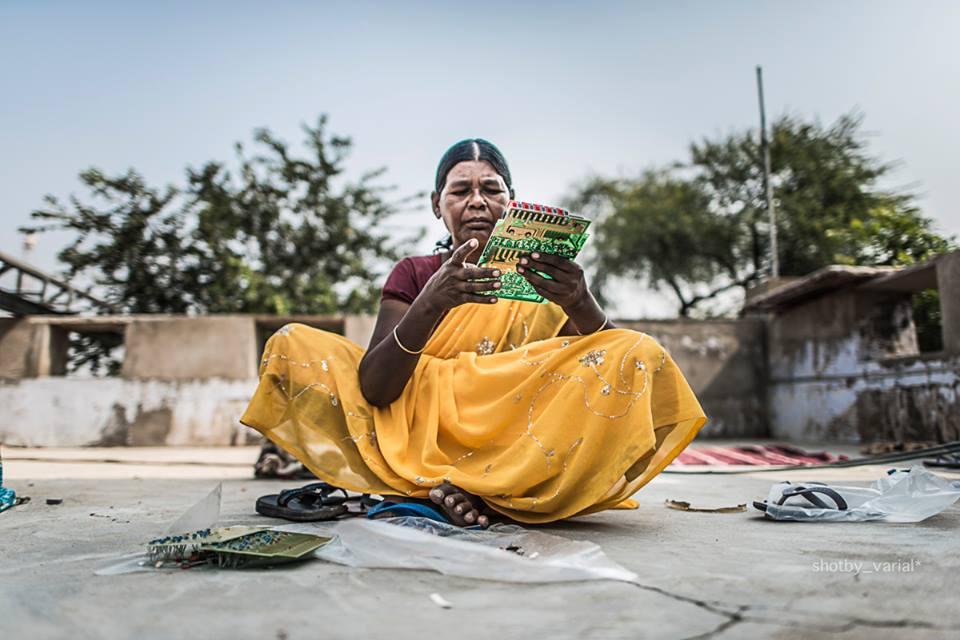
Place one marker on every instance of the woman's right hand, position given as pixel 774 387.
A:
pixel 456 283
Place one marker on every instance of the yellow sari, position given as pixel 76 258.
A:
pixel 540 426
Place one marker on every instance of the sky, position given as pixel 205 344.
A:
pixel 565 89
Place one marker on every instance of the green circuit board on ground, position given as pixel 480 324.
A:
pixel 525 228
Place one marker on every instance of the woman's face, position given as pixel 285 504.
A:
pixel 471 202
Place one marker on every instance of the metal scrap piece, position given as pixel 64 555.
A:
pixel 681 505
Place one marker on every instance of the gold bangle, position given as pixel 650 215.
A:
pixel 400 344
pixel 597 330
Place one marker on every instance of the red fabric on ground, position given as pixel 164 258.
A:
pixel 754 455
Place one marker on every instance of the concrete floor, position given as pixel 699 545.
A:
pixel 703 575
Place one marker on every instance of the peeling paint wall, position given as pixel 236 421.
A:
pixel 725 363
pixel 65 412
pixel 830 369
pixel 922 405
pixel 186 381
pixel 912 401
pixel 837 366
pixel 845 368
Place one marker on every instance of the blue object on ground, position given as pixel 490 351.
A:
pixel 8 497
pixel 415 509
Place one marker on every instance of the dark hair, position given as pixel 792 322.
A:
pixel 467 150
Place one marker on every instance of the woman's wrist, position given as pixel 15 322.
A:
pixel 584 308
pixel 424 307
pixel 587 315
pixel 418 323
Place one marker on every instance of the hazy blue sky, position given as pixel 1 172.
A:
pixel 565 89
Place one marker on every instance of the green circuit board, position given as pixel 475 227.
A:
pixel 525 228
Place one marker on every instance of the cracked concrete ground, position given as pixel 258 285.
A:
pixel 703 575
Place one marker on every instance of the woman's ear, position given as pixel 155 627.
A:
pixel 435 204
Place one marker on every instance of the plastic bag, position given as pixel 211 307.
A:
pixel 507 553
pixel 202 515
pixel 502 552
pixel 900 496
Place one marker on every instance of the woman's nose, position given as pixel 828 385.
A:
pixel 476 200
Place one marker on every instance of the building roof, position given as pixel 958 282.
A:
pixel 916 277
pixel 818 283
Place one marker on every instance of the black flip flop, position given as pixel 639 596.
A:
pixel 310 503
pixel 809 491
pixel 314 502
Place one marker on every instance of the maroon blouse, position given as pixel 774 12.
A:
pixel 409 277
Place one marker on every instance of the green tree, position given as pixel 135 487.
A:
pixel 284 233
pixel 701 228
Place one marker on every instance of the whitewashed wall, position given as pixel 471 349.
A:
pixel 67 412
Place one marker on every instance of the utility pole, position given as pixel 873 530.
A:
pixel 768 186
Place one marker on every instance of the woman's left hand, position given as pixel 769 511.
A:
pixel 568 289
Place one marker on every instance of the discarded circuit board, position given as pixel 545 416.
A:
pixel 233 547
pixel 525 228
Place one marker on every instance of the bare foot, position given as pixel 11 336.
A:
pixel 461 507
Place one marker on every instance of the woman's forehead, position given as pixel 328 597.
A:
pixel 471 170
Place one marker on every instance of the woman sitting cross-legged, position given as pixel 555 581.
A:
pixel 486 407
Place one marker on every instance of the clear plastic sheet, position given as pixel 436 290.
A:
pixel 901 496
pixel 203 515
pixel 505 553
pixel 130 563
pixel 502 552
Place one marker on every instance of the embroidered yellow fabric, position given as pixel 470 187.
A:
pixel 542 427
